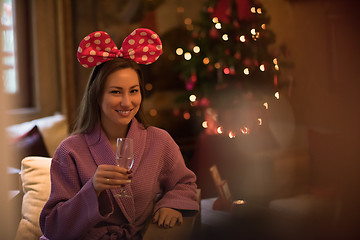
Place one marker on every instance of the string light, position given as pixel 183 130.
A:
pixel 186 115
pixel 231 134
pixel 242 38
pixel 266 105
pixel 259 11
pixel 253 10
pixel 217 65
pixel 262 67
pixel 245 130
pixel 219 130
pixel 259 121
pixel 226 70
pixel 275 61
pixel 277 95
pixel 253 31
pixel 196 49
pixel 187 56
pixel 192 98
pixel 179 51
pixel 205 124
pixel 206 61
pixel 277 67
pixel 225 37
pixel 148 86
pixel 153 112
pixel 218 25
pixel 187 21
pixel 263 26
pixel 246 71
pixel 215 20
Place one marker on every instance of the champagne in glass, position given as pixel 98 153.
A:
pixel 124 157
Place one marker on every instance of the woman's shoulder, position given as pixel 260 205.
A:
pixel 72 141
pixel 158 132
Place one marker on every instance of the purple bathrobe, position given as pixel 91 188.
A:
pixel 73 210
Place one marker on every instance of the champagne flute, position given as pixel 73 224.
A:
pixel 124 157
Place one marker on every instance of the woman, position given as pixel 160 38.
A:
pixel 84 175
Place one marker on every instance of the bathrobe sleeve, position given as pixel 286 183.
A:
pixel 73 206
pixel 177 182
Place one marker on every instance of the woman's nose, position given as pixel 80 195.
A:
pixel 125 101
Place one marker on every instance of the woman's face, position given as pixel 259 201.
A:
pixel 121 99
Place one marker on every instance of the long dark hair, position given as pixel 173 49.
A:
pixel 89 111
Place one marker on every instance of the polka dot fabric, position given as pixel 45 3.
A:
pixel 142 46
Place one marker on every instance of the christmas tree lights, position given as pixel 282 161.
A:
pixel 226 65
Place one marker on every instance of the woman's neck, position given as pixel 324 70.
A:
pixel 114 132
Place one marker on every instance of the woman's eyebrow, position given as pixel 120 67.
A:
pixel 117 87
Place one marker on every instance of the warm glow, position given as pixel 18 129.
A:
pixel 239 202
pixel 217 65
pixel 245 130
pixel 277 67
pixel 205 124
pixel 189 27
pixel 263 26
pixel 179 51
pixel 266 105
pixel 192 98
pixel 215 20
pixel 246 71
pixel 253 10
pixel 180 9
pixel 226 70
pixel 242 38
pixel 259 121
pixel 253 31
pixel 186 115
pixel 206 60
pixel 196 49
pixel 187 21
pixel 153 112
pixel 259 11
pixel 225 37
pixel 187 56
pixel 262 67
pixel 277 95
pixel 219 130
pixel 275 61
pixel 231 134
pixel 218 25
pixel 148 86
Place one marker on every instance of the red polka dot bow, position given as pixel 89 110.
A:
pixel 142 46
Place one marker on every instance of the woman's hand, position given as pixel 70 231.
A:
pixel 110 176
pixel 167 217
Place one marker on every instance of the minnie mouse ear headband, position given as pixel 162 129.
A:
pixel 142 46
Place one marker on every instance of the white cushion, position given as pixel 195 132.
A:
pixel 35 177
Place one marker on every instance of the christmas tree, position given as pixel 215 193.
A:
pixel 227 66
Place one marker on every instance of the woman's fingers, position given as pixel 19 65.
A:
pixel 167 217
pixel 110 176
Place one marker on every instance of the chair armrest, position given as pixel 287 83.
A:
pixel 183 231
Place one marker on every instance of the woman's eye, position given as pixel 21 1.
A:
pixel 134 91
pixel 115 92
